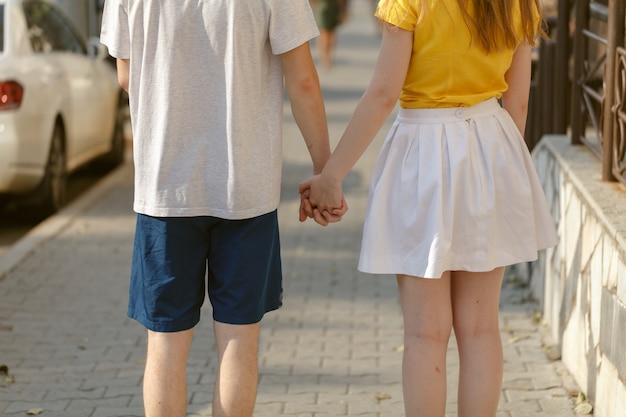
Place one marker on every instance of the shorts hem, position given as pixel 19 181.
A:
pixel 241 320
pixel 169 327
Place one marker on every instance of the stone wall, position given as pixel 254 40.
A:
pixel 581 283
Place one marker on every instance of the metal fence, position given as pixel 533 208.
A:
pixel 580 81
pixel 619 110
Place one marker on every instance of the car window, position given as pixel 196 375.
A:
pixel 49 30
pixel 1 27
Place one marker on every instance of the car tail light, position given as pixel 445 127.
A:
pixel 11 93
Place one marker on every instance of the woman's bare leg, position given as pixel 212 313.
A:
pixel 475 304
pixel 427 315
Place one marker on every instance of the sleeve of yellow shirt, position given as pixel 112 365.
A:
pixel 400 13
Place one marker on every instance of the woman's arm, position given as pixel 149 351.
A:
pixel 515 99
pixel 371 112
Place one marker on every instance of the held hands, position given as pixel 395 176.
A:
pixel 322 200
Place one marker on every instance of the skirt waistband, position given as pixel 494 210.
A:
pixel 449 114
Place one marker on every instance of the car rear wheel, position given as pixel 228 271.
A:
pixel 116 156
pixel 52 193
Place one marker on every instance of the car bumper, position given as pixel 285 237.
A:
pixel 20 171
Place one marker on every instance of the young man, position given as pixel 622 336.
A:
pixel 205 81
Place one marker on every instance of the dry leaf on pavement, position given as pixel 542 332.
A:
pixel 4 370
pixel 517 338
pixel 382 396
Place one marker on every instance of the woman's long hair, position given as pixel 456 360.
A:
pixel 491 21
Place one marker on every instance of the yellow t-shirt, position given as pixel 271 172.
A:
pixel 446 68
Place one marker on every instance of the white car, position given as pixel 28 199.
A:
pixel 60 103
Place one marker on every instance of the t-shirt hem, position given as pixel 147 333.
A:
pixel 205 211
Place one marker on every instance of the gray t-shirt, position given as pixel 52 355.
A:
pixel 206 99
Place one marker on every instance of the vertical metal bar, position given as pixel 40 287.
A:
pixel 531 131
pixel 580 50
pixel 561 76
pixel 618 135
pixel 615 38
pixel 546 85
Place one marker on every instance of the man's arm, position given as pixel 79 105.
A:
pixel 123 72
pixel 307 104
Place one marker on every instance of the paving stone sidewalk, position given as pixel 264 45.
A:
pixel 334 349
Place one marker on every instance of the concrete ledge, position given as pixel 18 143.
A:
pixel 581 283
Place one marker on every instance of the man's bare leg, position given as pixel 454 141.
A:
pixel 165 378
pixel 238 369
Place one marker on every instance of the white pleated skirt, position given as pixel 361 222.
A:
pixel 454 189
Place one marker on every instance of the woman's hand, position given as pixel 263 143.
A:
pixel 322 200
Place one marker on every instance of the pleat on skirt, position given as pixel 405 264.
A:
pixel 454 189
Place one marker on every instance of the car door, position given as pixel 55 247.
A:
pixel 58 39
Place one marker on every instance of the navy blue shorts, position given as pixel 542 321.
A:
pixel 176 259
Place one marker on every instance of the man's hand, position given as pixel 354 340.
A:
pixel 320 210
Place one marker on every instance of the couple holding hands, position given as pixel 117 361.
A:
pixel 454 196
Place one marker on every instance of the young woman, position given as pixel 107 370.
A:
pixel 454 196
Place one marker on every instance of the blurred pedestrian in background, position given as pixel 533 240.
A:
pixel 329 14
